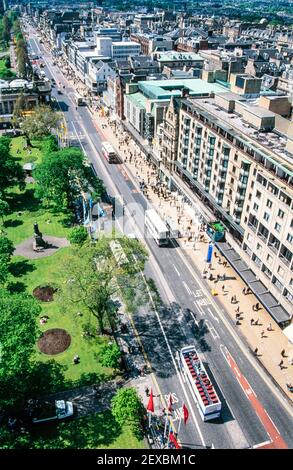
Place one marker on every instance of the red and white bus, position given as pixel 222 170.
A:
pixel 202 389
pixel 109 153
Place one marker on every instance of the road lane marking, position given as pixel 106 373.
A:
pixel 268 424
pixel 212 330
pixel 222 315
pixel 186 287
pixel 176 270
pixel 197 307
pixel 214 317
pixel 261 444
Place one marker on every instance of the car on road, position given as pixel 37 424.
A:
pixel 59 92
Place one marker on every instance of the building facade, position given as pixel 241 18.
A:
pixel 231 157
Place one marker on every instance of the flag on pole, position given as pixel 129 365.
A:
pixel 185 413
pixel 150 406
pixel 170 403
pixel 174 441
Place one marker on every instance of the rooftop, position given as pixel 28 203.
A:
pixel 272 145
pixel 170 56
pixel 138 99
pixel 164 89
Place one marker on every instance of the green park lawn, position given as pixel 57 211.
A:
pixel 48 270
pixel 24 155
pixel 5 72
pixel 25 211
pixel 28 274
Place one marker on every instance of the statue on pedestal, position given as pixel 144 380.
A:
pixel 38 243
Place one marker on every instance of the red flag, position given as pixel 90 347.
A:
pixel 150 406
pixel 173 439
pixel 170 403
pixel 185 413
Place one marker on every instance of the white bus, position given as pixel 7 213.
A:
pixel 202 389
pixel 156 227
pixel 109 153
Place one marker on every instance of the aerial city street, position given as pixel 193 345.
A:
pixel 146 225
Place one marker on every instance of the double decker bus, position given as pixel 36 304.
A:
pixel 109 153
pixel 202 389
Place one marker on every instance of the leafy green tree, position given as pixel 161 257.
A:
pixel 77 236
pixel 23 62
pixel 4 209
pixel 49 144
pixel 11 172
pixel 128 409
pixel 18 110
pixel 94 277
pixel 6 25
pixel 62 176
pixel 40 123
pixel 19 332
pixel 6 248
pixel 6 252
pixel 111 356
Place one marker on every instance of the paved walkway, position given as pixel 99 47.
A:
pixel 266 335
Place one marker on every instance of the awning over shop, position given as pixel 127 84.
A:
pixel 278 313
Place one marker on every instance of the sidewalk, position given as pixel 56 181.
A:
pixel 270 343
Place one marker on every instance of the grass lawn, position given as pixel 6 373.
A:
pixel 48 270
pixel 5 72
pixel 99 431
pixel 25 155
pixel 28 274
pixel 26 210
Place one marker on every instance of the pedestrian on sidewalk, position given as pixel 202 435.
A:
pixel 237 309
pixel 251 321
pixel 147 391
pixel 262 334
pixel 223 288
pixel 283 353
pixel 281 363
pixel 244 291
pixel 257 306
pixel 256 351
pixel 256 322
pixel 269 328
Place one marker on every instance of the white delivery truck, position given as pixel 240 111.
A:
pixel 49 412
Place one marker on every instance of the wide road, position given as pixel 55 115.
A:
pixel 254 411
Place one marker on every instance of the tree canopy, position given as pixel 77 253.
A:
pixel 11 171
pixel 40 123
pixel 18 337
pixel 62 176
pixel 77 236
pixel 94 277
pixel 127 408
pixel 111 356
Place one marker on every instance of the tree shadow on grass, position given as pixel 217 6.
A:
pixel 25 201
pixel 67 220
pixel 99 430
pixel 47 377
pixel 16 287
pixel 13 223
pixel 20 268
